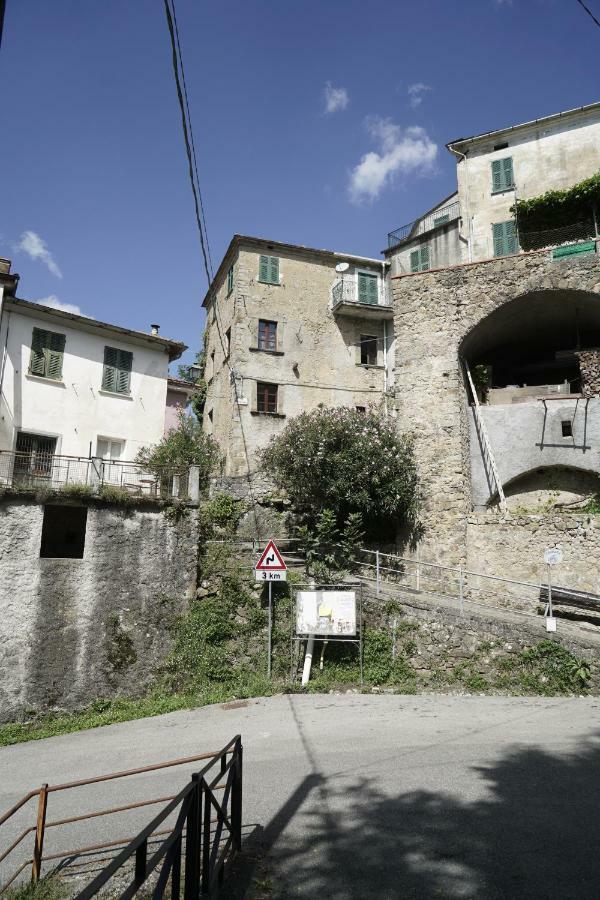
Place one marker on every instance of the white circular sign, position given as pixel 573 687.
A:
pixel 553 556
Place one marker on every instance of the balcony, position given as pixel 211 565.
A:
pixel 40 472
pixel 346 302
pixel 421 226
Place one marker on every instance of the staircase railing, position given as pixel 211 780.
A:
pixel 489 461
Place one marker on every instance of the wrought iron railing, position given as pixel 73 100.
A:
pixel 427 223
pixel 36 470
pixel 347 291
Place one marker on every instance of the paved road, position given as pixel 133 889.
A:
pixel 373 796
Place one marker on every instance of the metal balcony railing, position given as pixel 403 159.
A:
pixel 37 470
pixel 346 291
pixel 426 223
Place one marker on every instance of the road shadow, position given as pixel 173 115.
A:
pixel 535 835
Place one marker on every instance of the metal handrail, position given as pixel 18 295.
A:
pixel 346 291
pixel 436 219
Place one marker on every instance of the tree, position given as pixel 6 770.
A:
pixel 198 398
pixel 182 447
pixel 348 462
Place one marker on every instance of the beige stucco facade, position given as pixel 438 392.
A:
pixel 317 351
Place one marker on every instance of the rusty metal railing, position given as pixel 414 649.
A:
pixel 42 824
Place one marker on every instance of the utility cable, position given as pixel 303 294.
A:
pixel 589 12
pixel 177 64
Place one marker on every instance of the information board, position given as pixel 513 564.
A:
pixel 326 613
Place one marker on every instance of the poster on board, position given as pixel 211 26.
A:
pixel 326 613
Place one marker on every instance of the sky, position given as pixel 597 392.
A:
pixel 317 122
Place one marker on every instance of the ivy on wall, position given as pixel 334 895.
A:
pixel 558 209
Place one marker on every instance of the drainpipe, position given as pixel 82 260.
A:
pixel 463 156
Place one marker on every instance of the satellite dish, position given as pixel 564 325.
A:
pixel 342 267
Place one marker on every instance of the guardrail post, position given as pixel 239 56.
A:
pixel 141 857
pixel 236 798
pixel 206 841
pixel 192 843
pixel 377 573
pixel 38 849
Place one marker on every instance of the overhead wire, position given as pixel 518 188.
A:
pixel 589 12
pixel 177 64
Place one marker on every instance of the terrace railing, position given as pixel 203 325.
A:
pixel 427 223
pixel 35 470
pixel 346 291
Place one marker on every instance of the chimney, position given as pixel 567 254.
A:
pixel 4 266
pixel 155 329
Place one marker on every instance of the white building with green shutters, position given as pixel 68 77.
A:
pixel 494 169
pixel 75 387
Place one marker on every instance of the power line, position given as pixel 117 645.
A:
pixel 589 12
pixel 177 64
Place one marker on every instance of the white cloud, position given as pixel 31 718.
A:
pixel 54 303
pixel 401 151
pixel 416 92
pixel 35 247
pixel 335 98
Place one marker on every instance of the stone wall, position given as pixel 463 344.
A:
pixel 72 630
pixel 589 366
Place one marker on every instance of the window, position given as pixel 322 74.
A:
pixel 268 269
pixel 502 146
pixel 33 459
pixel 502 175
pixel 441 220
pixel 567 428
pixel 505 238
pixel 267 335
pixel 360 409
pixel 63 532
pixel 108 448
pixel 47 349
pixel 230 280
pixel 228 342
pixel 368 288
pixel 117 370
pixel 419 260
pixel 266 397
pixel 368 350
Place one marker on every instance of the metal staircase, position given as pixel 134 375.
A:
pixel 486 448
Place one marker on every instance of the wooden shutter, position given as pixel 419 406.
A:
pixel 507 172
pixel 125 359
pixel 37 363
pixel 424 258
pixel 54 354
pixel 497 175
pixel 263 268
pixel 498 235
pixel 414 261
pixel 274 269
pixel 441 220
pixel 510 237
pixel 109 375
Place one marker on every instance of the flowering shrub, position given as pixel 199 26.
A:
pixel 346 461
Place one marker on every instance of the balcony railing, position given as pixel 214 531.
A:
pixel 420 226
pixel 346 291
pixel 38 471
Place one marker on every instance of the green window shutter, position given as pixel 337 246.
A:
pixel 367 289
pixel 124 371
pixel 424 258
pixel 415 261
pixel 507 171
pixel 274 269
pixel 109 374
pixel 54 354
pixel 505 238
pixel 263 268
pixel 37 363
pixel 441 220
pixel 497 175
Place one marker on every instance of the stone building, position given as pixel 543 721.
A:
pixel 288 328
pixel 491 359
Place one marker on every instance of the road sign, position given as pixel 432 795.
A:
pixel 271 566
pixel 553 556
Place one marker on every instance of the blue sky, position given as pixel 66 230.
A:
pixel 316 122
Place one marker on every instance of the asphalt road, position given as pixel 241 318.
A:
pixel 367 796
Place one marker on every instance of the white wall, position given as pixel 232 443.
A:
pixel 548 156
pixel 75 409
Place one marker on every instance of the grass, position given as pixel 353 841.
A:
pixel 49 888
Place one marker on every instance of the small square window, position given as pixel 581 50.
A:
pixel 361 409
pixel 368 350
pixel 567 428
pixel 63 532
pixel 266 397
pixel 267 335
pixel 230 280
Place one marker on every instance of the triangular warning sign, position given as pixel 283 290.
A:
pixel 271 560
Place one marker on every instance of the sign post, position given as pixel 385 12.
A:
pixel 552 557
pixel 270 567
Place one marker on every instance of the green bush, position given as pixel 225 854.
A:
pixel 347 461
pixel 182 447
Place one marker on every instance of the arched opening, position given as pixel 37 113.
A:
pixel 548 488
pixel 532 346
